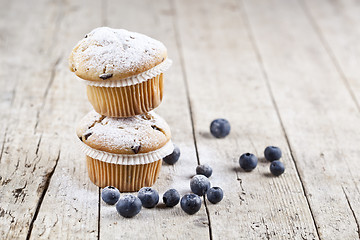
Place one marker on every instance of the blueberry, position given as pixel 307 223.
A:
pixel 205 170
pixel 220 128
pixel 171 198
pixel 199 184
pixel 173 157
pixel 148 196
pixel 248 161
pixel 272 153
pixel 190 203
pixel 110 195
pixel 277 168
pixel 128 206
pixel 215 194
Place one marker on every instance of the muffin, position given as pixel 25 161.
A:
pixel 123 71
pixel 124 152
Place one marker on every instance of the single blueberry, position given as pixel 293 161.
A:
pixel 148 196
pixel 128 206
pixel 190 203
pixel 110 195
pixel 220 128
pixel 171 198
pixel 205 170
pixel 248 161
pixel 199 184
pixel 277 168
pixel 215 194
pixel 173 157
pixel 272 153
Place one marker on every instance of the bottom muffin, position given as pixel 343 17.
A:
pixel 126 178
pixel 124 152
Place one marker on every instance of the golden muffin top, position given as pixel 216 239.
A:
pixel 114 54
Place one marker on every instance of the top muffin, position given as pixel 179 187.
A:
pixel 114 54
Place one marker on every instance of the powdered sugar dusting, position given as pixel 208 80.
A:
pixel 107 50
pixel 147 130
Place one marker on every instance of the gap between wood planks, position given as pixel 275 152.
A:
pixel 46 186
pixel 268 86
pixel 341 73
pixel 48 176
pixel 352 210
pixel 182 65
pixel 329 51
pixel 104 22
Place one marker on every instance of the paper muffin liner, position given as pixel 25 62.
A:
pixel 129 100
pixel 128 159
pixel 133 80
pixel 126 178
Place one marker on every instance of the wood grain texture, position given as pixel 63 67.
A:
pixel 69 209
pixel 225 80
pixel 156 20
pixel 319 115
pixel 336 24
pixel 27 156
pixel 283 72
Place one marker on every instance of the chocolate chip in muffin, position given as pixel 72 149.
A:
pixel 87 135
pixel 80 138
pixel 156 128
pixel 136 148
pixel 86 36
pixel 105 76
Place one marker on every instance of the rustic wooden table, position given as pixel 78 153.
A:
pixel 283 72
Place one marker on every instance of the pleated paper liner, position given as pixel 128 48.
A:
pixel 133 80
pixel 126 178
pixel 127 101
pixel 131 96
pixel 125 172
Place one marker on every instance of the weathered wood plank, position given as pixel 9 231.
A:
pixel 156 20
pixel 27 156
pixel 319 115
pixel 336 25
pixel 70 206
pixel 225 80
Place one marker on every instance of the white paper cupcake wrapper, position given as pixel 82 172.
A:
pixel 128 159
pixel 136 79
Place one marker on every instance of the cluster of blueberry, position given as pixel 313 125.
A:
pixel 130 205
pixel 220 128
pixel 248 161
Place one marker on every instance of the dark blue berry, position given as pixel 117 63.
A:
pixel 128 206
pixel 272 153
pixel 110 195
pixel 148 196
pixel 277 168
pixel 199 184
pixel 173 157
pixel 171 198
pixel 190 203
pixel 248 161
pixel 220 128
pixel 205 170
pixel 215 194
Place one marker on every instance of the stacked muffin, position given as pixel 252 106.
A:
pixel 123 139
